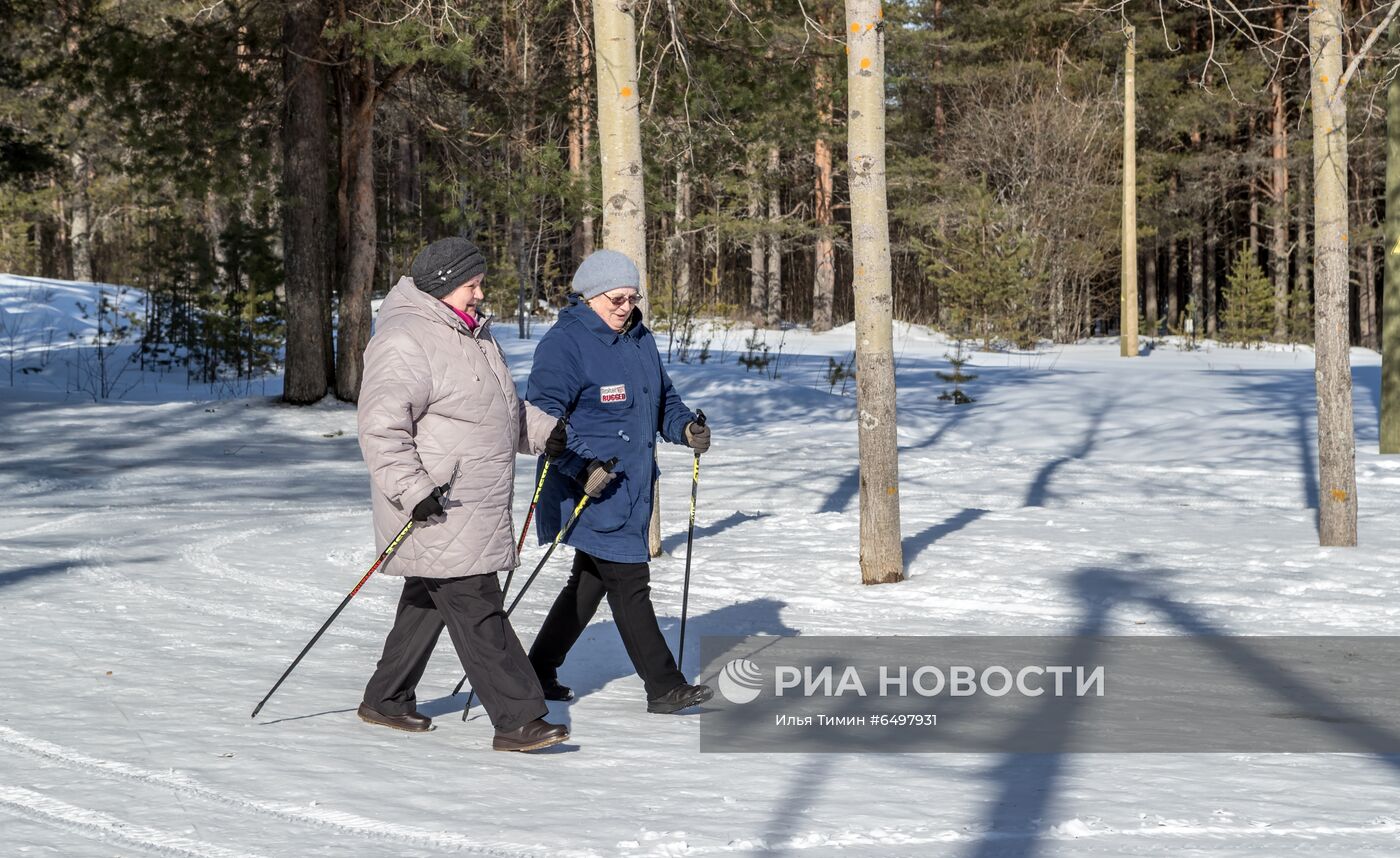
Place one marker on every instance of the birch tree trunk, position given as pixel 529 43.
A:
pixel 619 132
pixel 682 242
pixel 1336 443
pixel 881 553
pixel 1390 300
pixel 1128 309
pixel 306 214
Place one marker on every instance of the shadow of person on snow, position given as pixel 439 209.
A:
pixel 599 658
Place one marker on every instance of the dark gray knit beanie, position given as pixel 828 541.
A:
pixel 446 264
pixel 603 271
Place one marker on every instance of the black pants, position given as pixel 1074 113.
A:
pixel 628 588
pixel 495 662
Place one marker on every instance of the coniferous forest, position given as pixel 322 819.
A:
pixel 263 170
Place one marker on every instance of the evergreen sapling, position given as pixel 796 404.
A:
pixel 957 377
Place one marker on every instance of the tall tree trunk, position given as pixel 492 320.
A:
pixel 305 209
pixel 1212 276
pixel 824 273
pixel 80 222
pixel 1336 442
pixel 712 258
pixel 1252 181
pixel 1196 305
pixel 1173 284
pixel 1149 290
pixel 940 118
pixel 619 132
pixel 1367 289
pixel 881 552
pixel 1390 313
pixel 358 222
pixel 1128 307
pixel 1279 193
pixel 773 304
pixel 681 263
pixel 580 129
pixel 758 284
pixel 1302 290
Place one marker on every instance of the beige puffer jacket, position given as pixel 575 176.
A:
pixel 436 395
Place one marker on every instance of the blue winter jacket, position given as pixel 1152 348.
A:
pixel 618 397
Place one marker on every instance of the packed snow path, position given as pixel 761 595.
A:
pixel 164 561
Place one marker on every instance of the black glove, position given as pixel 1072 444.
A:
pixel 697 435
pixel 429 506
pixel 558 442
pixel 596 477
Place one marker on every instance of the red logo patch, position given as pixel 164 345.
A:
pixel 613 393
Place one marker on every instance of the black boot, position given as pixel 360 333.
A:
pixel 681 697
pixel 412 722
pixel 539 733
pixel 554 691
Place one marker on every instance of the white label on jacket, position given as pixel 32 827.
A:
pixel 613 393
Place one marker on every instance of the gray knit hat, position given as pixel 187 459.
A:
pixel 445 264
pixel 604 270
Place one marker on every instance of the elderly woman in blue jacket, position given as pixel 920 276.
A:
pixel 599 366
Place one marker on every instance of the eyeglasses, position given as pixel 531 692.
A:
pixel 635 298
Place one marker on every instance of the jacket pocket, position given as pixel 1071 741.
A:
pixel 614 509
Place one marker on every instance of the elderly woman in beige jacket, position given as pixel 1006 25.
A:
pixel 436 398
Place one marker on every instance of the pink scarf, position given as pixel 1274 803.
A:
pixel 466 317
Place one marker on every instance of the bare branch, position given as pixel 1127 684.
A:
pixel 1366 46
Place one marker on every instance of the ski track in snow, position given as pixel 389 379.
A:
pixel 15 742
pixel 108 829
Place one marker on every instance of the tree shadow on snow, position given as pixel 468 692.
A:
pixel 734 519
pixel 1039 490
pixel 1027 783
pixel 16 576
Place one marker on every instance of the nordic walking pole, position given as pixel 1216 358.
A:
pixel 387 553
pixel 393 546
pixel 520 544
pixel 582 502
pixel 689 542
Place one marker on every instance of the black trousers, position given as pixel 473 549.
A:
pixel 495 662
pixel 628 588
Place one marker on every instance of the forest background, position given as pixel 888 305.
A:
pixel 256 165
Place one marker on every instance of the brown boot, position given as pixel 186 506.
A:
pixel 539 733
pixel 411 723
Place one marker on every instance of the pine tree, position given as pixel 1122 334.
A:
pixel 957 377
pixel 1249 300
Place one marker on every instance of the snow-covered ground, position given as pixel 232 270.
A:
pixel 164 560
